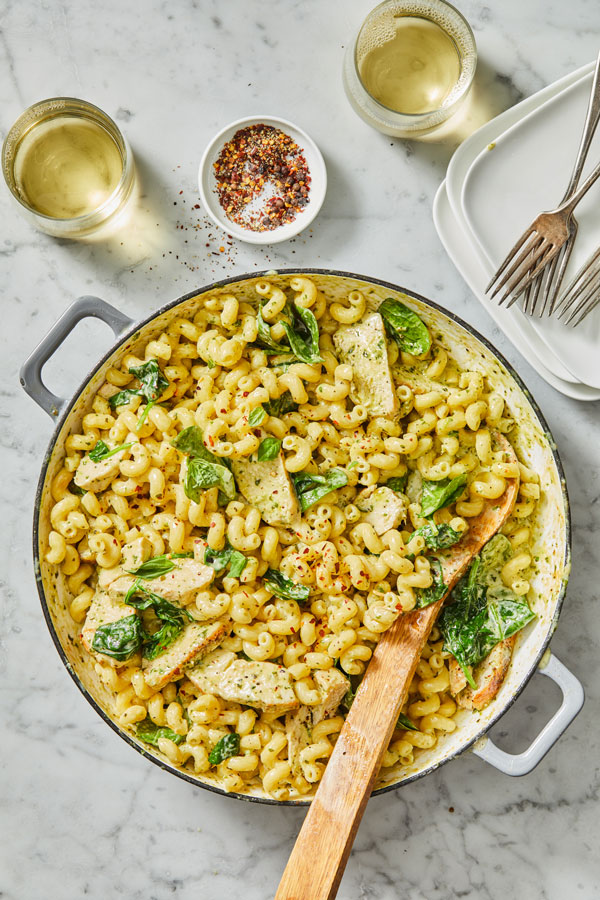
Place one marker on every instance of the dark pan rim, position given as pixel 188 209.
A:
pixel 138 326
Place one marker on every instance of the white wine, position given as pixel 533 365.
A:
pixel 408 63
pixel 66 166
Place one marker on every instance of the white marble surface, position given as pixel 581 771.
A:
pixel 82 814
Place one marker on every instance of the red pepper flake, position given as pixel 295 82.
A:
pixel 263 180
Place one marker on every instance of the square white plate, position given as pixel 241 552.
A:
pixel 475 272
pixel 526 172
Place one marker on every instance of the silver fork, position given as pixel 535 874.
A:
pixel 583 294
pixel 538 246
pixel 549 282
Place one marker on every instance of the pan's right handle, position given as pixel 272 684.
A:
pixel 31 371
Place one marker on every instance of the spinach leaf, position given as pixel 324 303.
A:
pixel 152 384
pixel 145 413
pixel 122 397
pixel 282 586
pixel 398 483
pixel 303 334
pixel 101 451
pixel 482 611
pixel 75 489
pixel 438 537
pixel 220 559
pixel 202 475
pixel 120 639
pixel 268 449
pixel 281 405
pixel 154 568
pixel 404 722
pixel 173 618
pixel 161 640
pixel 257 416
pixel 264 335
pixel 311 488
pixel 229 745
pixel 427 596
pixel 409 332
pixel 191 442
pixel 438 494
pixel 150 733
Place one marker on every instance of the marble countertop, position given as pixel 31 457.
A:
pixel 81 813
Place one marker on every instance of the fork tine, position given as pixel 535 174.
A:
pixel 529 299
pixel 542 256
pixel 562 268
pixel 530 247
pixel 583 298
pixel 592 302
pixel 510 255
pixel 546 280
pixel 579 284
pixel 537 289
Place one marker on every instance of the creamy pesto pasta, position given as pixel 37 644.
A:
pixel 254 499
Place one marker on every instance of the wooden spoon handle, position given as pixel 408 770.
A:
pixel 319 857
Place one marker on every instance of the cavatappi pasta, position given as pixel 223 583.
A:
pixel 252 502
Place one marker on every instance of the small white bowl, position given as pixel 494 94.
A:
pixel 316 195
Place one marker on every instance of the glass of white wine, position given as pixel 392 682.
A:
pixel 69 167
pixel 411 66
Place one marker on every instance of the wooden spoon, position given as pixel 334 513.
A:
pixel 319 857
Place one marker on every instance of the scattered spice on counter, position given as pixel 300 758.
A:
pixel 263 180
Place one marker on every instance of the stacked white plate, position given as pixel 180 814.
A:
pixel 497 182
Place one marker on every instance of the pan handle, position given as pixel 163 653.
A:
pixel 31 371
pixel 522 763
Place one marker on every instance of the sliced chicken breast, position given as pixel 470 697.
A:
pixel 263 685
pixel 364 347
pixel 382 508
pixel 195 640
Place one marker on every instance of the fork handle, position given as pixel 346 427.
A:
pixel 569 205
pixel 591 123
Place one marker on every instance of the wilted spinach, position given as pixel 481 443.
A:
pixel 407 329
pixel 437 589
pixel 120 639
pixel 256 416
pixel 158 565
pixel 404 722
pixel 303 334
pixel 152 384
pixel 438 537
pixel 312 488
pixel 229 745
pixel 268 449
pixel 150 733
pixel 202 475
pixel 101 451
pixel 438 494
pixel 282 586
pixel 482 611
pixel 221 559
pixel 281 405
pixel 264 335
pixel 173 618
pixel 397 483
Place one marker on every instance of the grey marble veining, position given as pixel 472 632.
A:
pixel 82 815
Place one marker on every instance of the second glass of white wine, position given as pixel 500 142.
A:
pixel 411 66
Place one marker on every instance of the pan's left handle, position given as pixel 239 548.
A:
pixel 31 371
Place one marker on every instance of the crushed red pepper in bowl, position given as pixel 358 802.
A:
pixel 262 178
